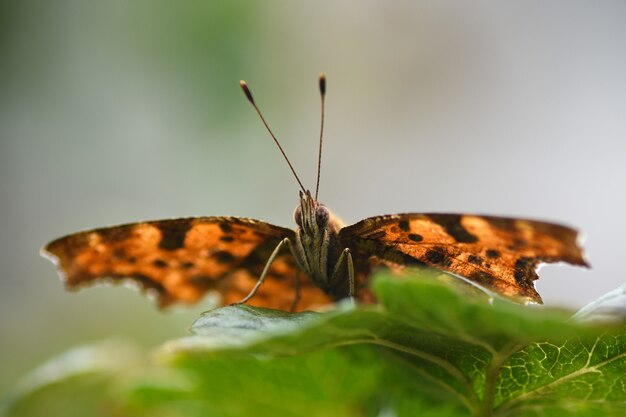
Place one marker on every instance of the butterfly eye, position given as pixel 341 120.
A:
pixel 321 216
pixel 297 214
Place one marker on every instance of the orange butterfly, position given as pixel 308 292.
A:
pixel 321 261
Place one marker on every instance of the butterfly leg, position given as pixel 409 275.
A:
pixel 282 243
pixel 296 298
pixel 345 257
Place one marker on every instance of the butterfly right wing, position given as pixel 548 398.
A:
pixel 181 260
pixel 498 253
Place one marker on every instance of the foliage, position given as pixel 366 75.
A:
pixel 427 349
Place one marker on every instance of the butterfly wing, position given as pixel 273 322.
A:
pixel 180 260
pixel 500 254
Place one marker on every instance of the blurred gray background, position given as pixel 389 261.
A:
pixel 118 111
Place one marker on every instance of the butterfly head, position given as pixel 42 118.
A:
pixel 310 215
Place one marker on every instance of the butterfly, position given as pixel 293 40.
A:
pixel 320 261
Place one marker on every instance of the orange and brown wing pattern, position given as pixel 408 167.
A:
pixel 180 260
pixel 500 254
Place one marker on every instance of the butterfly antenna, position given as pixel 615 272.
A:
pixel 248 94
pixel 322 84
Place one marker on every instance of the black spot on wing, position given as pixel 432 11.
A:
pixel 226 228
pixel 187 265
pixel 482 278
pixel 159 263
pixel 525 271
pixel 477 260
pixel 415 237
pixel 492 253
pixel 173 234
pixel 451 223
pixel 146 283
pixel 404 225
pixel 224 257
pixel 438 257
pixel 116 234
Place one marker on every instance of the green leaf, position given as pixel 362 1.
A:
pixel 78 383
pixel 476 357
pixel 428 348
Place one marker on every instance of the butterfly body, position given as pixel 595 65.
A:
pixel 317 248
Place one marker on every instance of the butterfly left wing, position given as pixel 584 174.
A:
pixel 500 254
pixel 180 260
